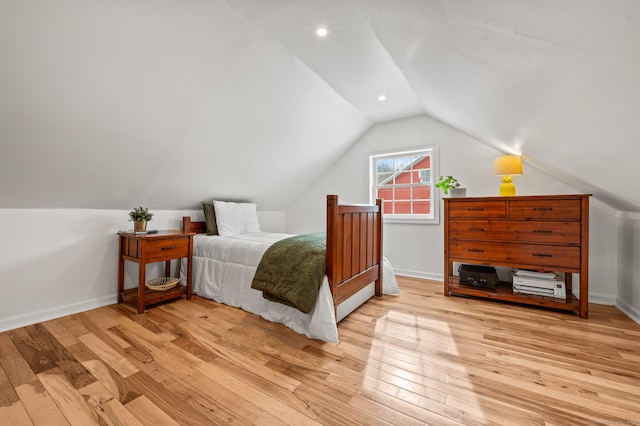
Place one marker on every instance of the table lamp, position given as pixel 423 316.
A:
pixel 507 166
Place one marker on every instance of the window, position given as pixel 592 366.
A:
pixel 404 180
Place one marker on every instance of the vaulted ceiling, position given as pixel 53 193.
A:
pixel 113 104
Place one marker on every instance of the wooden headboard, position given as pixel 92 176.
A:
pixel 189 226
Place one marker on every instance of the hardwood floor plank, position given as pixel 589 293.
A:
pixel 221 397
pixel 412 410
pixel 8 395
pixel 69 400
pixel 322 400
pixel 148 413
pixel 35 400
pixel 496 412
pixel 107 376
pixel 107 406
pixel 249 360
pixel 17 369
pixel 111 380
pixel 309 376
pixel 7 348
pixel 257 374
pixel 385 413
pixel 142 320
pixel 116 361
pixel 178 409
pixel 132 349
pixel 14 415
pixel 40 405
pixel 207 403
pixel 60 332
pixel 38 358
pixel 75 372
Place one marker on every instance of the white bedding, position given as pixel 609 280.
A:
pixel 223 269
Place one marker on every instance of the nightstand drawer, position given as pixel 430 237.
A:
pixel 534 231
pixel 537 255
pixel 174 248
pixel 549 209
pixel 477 209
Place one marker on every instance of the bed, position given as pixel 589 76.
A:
pixel 224 267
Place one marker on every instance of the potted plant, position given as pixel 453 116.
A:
pixel 140 216
pixel 450 186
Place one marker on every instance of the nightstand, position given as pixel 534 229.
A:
pixel 163 246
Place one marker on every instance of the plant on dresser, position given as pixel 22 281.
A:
pixel 450 185
pixel 549 232
pixel 140 216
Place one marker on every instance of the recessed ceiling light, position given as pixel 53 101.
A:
pixel 382 98
pixel 322 32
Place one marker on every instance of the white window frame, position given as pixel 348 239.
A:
pixel 434 217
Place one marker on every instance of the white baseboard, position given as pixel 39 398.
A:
pixel 418 274
pixel 60 311
pixel 602 299
pixel 629 310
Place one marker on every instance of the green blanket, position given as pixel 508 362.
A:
pixel 291 271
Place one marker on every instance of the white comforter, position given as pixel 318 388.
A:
pixel 223 269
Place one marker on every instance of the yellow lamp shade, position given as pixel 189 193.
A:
pixel 506 166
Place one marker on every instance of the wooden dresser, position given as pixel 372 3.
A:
pixel 549 232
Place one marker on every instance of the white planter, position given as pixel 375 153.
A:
pixel 458 192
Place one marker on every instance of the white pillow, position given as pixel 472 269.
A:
pixel 236 218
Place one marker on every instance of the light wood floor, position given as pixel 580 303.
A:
pixel 418 358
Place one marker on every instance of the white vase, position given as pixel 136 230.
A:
pixel 458 192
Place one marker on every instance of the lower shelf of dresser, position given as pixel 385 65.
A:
pixel 153 296
pixel 504 291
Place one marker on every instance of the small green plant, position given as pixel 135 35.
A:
pixel 445 183
pixel 140 214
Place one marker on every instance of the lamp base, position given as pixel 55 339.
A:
pixel 507 189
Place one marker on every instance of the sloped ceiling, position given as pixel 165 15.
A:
pixel 113 104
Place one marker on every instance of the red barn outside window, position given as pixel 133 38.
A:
pixel 404 181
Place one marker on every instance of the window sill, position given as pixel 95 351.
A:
pixel 411 220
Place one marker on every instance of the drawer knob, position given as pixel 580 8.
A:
pixel 476 250
pixel 475 209
pixel 536 209
pixel 168 248
pixel 542 231
pixel 542 255
pixel 475 229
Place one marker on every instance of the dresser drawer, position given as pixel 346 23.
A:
pixel 548 209
pixel 534 231
pixel 472 209
pixel 159 250
pixel 526 255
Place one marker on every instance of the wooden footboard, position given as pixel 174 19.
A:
pixel 354 248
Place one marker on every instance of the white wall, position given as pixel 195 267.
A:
pixel 417 250
pixel 59 262
pixel 629 261
pixel 604 253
